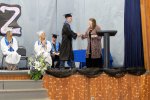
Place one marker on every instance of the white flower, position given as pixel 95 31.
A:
pixel 38 68
pixel 37 64
pixel 29 72
pixel 45 68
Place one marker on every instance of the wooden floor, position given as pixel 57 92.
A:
pixel 103 87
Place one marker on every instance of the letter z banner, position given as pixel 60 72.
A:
pixel 9 14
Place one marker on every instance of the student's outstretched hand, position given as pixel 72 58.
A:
pixel 78 34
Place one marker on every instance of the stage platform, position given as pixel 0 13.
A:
pixel 81 87
pixel 14 75
pixel 102 87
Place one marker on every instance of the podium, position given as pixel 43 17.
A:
pixel 106 34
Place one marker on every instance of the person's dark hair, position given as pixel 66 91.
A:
pixel 93 22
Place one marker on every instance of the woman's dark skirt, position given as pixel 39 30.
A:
pixel 94 62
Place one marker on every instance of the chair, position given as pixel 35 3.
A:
pixel 22 51
pixel 3 61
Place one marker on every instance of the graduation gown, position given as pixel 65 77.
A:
pixel 55 47
pixel 10 50
pixel 55 58
pixel 40 50
pixel 66 52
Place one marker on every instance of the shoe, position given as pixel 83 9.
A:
pixel 61 67
pixel 9 67
pixel 73 66
pixel 14 68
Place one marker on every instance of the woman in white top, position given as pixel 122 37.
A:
pixel 9 47
pixel 43 47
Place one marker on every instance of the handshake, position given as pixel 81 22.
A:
pixel 79 34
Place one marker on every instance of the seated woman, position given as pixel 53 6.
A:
pixel 55 51
pixel 9 47
pixel 93 52
pixel 43 47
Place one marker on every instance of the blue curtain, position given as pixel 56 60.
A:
pixel 133 34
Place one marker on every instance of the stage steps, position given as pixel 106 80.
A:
pixel 22 90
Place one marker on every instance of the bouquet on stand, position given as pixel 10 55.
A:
pixel 38 65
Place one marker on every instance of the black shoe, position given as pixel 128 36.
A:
pixel 73 66
pixel 61 67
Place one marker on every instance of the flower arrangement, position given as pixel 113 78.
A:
pixel 38 65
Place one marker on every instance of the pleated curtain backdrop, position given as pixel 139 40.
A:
pixel 133 35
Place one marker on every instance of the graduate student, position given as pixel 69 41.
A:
pixel 9 47
pixel 43 47
pixel 66 53
pixel 55 52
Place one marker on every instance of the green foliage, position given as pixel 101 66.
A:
pixel 38 65
pixel 36 75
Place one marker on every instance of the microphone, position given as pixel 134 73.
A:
pixel 90 31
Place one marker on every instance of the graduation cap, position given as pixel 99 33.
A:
pixel 68 15
pixel 8 29
pixel 54 35
pixel 40 32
